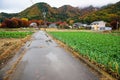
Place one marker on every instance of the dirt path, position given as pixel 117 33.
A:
pixel 45 60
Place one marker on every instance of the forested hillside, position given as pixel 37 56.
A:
pixel 87 15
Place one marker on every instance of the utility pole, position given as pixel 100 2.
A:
pixel 44 16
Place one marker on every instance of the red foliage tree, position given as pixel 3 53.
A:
pixel 9 23
pixel 114 25
pixel 63 25
pixel 15 23
pixel 3 25
pixel 34 21
pixel 24 23
pixel 19 23
pixel 41 22
pixel 48 23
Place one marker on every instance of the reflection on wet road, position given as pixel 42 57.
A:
pixel 45 60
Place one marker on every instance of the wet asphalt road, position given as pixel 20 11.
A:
pixel 45 60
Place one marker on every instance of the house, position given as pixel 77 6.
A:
pixel 108 28
pixel 77 25
pixel 52 25
pixel 98 25
pixel 84 25
pixel 33 25
pixel 88 27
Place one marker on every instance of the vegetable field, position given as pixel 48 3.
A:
pixel 13 34
pixel 101 48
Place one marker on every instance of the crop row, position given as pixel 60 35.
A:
pixel 13 34
pixel 101 48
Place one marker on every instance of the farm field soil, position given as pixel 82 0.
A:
pixel 12 40
pixel 6 43
pixel 9 47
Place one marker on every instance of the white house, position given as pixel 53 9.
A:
pixel 98 25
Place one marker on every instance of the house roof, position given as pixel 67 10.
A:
pixel 77 24
pixel 97 22
pixel 53 25
pixel 33 24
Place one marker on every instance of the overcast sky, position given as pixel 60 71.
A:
pixel 15 6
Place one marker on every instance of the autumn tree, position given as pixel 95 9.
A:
pixel 34 21
pixel 114 24
pixel 24 23
pixel 3 25
pixel 19 22
pixel 0 24
pixel 15 23
pixel 41 22
pixel 26 19
pixel 64 25
pixel 71 22
pixel 9 23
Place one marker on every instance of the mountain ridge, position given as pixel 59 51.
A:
pixel 35 11
pixel 65 12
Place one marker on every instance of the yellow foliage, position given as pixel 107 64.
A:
pixel 71 21
pixel 26 19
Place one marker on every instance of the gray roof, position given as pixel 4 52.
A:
pixel 97 22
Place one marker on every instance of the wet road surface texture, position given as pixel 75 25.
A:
pixel 45 60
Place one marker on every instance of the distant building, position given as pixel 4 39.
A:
pixel 88 27
pixel 98 25
pixel 77 25
pixel 108 28
pixel 33 25
pixel 70 27
pixel 84 25
pixel 53 25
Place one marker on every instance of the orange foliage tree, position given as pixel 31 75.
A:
pixel 14 23
pixel 24 23
pixel 3 25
